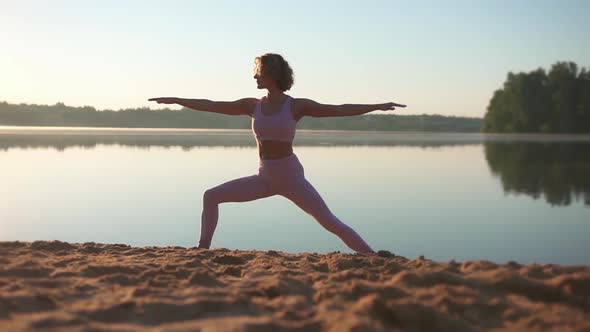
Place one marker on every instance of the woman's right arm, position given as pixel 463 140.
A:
pixel 242 106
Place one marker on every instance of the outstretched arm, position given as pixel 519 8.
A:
pixel 238 107
pixel 315 109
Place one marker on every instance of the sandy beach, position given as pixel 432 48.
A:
pixel 55 286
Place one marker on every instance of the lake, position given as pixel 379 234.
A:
pixel 446 196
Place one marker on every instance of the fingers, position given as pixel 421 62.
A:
pixel 158 100
pixel 392 106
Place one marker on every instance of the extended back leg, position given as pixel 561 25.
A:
pixel 309 200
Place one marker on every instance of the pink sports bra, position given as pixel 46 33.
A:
pixel 277 127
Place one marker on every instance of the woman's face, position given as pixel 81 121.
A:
pixel 263 81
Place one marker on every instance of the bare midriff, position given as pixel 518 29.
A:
pixel 268 149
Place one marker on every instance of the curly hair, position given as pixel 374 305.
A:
pixel 277 67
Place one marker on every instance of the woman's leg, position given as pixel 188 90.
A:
pixel 243 189
pixel 302 193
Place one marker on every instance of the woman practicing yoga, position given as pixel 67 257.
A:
pixel 274 119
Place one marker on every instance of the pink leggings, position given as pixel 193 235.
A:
pixel 283 177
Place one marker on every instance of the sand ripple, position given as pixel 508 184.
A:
pixel 53 285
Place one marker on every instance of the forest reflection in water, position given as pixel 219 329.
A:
pixel 556 167
pixel 559 171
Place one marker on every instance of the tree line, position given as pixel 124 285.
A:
pixel 87 116
pixel 553 102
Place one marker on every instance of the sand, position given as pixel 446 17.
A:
pixel 55 286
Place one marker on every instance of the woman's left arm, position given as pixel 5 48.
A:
pixel 315 109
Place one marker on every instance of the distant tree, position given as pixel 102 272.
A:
pixel 87 116
pixel 583 105
pixel 539 102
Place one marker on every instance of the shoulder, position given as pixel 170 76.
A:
pixel 248 104
pixel 298 106
pixel 309 107
pixel 303 102
pixel 250 101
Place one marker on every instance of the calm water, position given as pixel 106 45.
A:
pixel 445 196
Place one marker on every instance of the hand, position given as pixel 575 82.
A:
pixel 390 106
pixel 165 100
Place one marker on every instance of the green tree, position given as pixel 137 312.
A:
pixel 558 101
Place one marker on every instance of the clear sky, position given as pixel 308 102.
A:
pixel 439 57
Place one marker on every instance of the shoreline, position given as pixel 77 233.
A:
pixel 54 284
pixel 66 130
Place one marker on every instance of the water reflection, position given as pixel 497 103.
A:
pixel 558 171
pixel 61 138
pixel 555 166
pixel 233 138
pixel 410 193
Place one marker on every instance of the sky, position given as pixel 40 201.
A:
pixel 438 57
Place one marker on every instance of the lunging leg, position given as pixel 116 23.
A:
pixel 243 189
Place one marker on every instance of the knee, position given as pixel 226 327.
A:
pixel 334 228
pixel 325 214
pixel 210 197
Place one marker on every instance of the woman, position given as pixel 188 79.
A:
pixel 274 119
